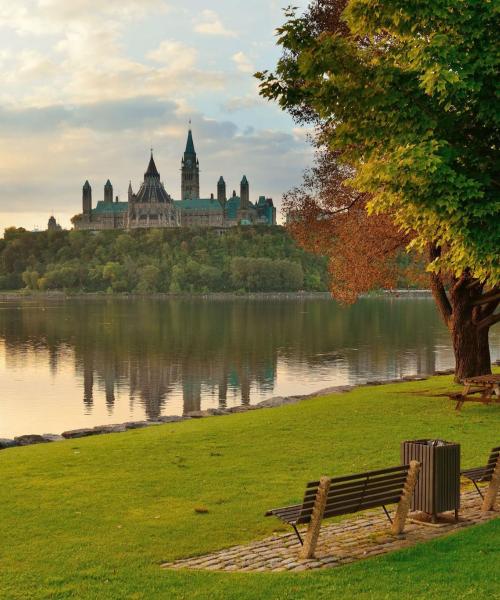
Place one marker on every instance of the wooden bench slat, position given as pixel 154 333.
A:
pixel 388 489
pixel 358 484
pixel 400 468
pixel 335 512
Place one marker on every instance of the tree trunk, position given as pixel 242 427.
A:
pixel 468 314
pixel 470 341
pixel 471 347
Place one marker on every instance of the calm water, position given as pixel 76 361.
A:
pixel 79 363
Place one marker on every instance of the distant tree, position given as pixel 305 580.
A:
pixel 30 278
pixel 148 279
pixel 402 96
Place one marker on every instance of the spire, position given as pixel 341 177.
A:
pixel 190 144
pixel 152 170
pixel 221 179
pixel 86 185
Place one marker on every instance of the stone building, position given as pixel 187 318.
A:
pixel 152 206
pixel 53 225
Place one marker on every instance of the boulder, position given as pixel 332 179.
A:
pixel 117 428
pixel 136 424
pixel 79 433
pixel 30 439
pixel 7 443
pixel 52 437
pixel 171 419
pixel 197 414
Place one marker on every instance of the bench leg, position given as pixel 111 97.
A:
pixel 478 490
pixel 313 530
pixel 298 534
pixel 403 508
pixel 493 489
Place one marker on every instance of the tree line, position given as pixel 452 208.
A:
pixel 252 259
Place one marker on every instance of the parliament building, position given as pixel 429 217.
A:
pixel 152 206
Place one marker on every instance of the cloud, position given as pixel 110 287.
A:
pixel 241 103
pixel 243 63
pixel 210 24
pixel 47 17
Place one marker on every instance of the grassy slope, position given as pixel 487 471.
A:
pixel 93 518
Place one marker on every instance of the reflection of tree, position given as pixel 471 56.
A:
pixel 153 347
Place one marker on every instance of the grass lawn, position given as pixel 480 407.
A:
pixel 93 518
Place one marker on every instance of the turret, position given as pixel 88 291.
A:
pixel 221 190
pixel 244 192
pixel 190 168
pixel 87 199
pixel 108 192
pixel 130 191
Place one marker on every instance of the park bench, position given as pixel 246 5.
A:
pixel 490 472
pixel 331 497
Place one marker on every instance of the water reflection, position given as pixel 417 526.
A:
pixel 84 362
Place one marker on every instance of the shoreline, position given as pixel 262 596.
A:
pixel 274 402
pixel 61 295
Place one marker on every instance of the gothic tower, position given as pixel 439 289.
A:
pixel 190 188
pixel 244 192
pixel 108 192
pixel 87 199
pixel 221 191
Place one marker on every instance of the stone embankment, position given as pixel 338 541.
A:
pixel 30 439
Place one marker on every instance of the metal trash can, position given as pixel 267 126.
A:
pixel 438 487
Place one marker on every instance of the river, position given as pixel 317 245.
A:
pixel 82 362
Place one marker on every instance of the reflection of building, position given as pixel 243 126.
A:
pixel 152 206
pixel 151 380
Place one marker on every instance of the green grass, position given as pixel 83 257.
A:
pixel 93 518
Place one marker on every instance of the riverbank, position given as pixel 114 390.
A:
pixel 95 517
pixel 31 439
pixel 58 295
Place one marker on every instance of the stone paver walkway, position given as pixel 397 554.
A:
pixel 339 543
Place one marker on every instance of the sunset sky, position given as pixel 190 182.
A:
pixel 89 86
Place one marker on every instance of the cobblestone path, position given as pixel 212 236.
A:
pixel 353 539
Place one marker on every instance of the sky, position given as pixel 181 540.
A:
pixel 90 86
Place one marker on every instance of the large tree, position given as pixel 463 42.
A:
pixel 402 97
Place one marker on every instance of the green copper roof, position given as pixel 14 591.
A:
pixel 190 144
pixel 232 207
pixel 198 204
pixel 103 208
pixel 244 180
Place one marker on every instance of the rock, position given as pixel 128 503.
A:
pixel 30 439
pixel 197 414
pixel 217 412
pixel 171 419
pixel 375 382
pixel 337 389
pixel 118 428
pixel 52 437
pixel 445 372
pixel 79 433
pixel 136 424
pixel 7 443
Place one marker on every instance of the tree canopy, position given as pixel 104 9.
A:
pixel 405 93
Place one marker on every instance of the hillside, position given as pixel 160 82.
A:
pixel 249 259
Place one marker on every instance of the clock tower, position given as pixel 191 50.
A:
pixel 190 186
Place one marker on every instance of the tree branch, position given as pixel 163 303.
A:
pixel 490 296
pixel 489 321
pixel 438 289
